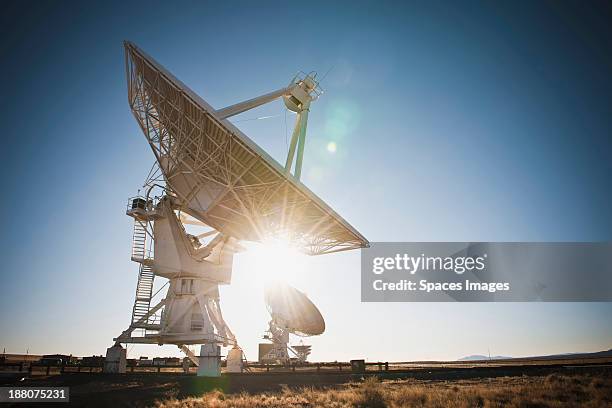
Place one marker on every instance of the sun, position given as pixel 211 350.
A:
pixel 274 260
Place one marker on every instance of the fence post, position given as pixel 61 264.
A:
pixel 386 366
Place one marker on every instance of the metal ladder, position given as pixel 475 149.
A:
pixel 144 292
pixel 139 239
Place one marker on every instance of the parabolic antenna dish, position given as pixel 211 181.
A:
pixel 220 176
pixel 292 310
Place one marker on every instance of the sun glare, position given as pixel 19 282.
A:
pixel 274 260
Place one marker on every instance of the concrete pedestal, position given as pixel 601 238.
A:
pixel 116 361
pixel 234 360
pixel 210 361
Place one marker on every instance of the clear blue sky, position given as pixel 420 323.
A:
pixel 453 122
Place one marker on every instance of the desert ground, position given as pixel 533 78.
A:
pixel 528 384
pixel 553 390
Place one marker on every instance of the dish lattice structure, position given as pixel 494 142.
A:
pixel 221 176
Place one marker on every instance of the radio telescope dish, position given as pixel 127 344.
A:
pixel 215 178
pixel 293 311
pixel 221 177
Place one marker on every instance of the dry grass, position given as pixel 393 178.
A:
pixel 524 392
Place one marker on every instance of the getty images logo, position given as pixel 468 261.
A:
pixel 414 264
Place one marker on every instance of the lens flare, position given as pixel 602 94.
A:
pixel 331 147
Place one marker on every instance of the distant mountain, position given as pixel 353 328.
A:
pixel 597 354
pixel 477 357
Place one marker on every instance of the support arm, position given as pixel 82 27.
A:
pixel 300 151
pixel 298 140
pixel 253 103
pixel 294 139
pixel 297 96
